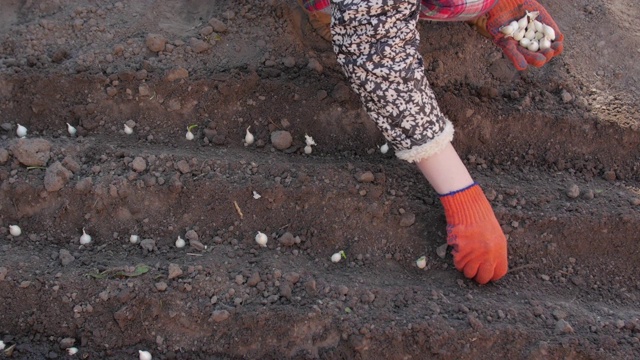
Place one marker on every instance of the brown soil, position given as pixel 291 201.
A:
pixel 530 139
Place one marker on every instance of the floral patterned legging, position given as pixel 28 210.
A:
pixel 376 43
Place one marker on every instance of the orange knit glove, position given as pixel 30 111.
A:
pixel 479 246
pixel 508 10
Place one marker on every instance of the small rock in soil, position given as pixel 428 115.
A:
pixel 407 219
pixel 32 152
pixel 161 286
pixel 218 25
pixel 220 315
pixel 365 177
pixel 183 166
pixel 254 279
pixel 197 245
pixel 573 191
pixel 84 185
pixel 177 74
pixel 563 327
pixel 281 139
pixel 65 257
pixel 198 45
pixel 155 42
pixel 191 235
pixel 559 314
pixel 174 271
pixel 609 175
pixel 67 343
pixel 148 245
pixel 566 96
pixel 56 177
pixel 310 286
pixel 474 322
pixel 3 273
pixel 287 239
pixel 285 291
pixel 442 251
pixel 4 156
pixel 315 65
pixel 139 164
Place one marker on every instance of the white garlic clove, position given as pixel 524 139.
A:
pixel 21 131
pixel 336 257
pixel 384 148
pixel 533 15
pixel 72 131
pixel 127 129
pixel 522 23
pixel 189 135
pixel 72 351
pixel 519 35
pixel 309 140
pixel 508 30
pixel 531 34
pixel 549 33
pixel 533 46
pixel 85 238
pixel 525 42
pixel 256 195
pixel 422 262
pixel 538 25
pixel 144 355
pixel 545 44
pixel 134 239
pixel 261 239
pixel 15 230
pixel 180 243
pixel 248 137
pixel 514 25
pixel 539 35
pixel 308 149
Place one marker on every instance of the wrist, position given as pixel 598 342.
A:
pixel 466 206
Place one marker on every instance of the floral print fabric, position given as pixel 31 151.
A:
pixel 376 43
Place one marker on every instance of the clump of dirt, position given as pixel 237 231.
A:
pixel 556 150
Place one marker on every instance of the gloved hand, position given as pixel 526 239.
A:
pixel 479 245
pixel 506 11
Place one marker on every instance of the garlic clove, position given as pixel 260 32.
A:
pixel 549 33
pixel 85 238
pixel 384 148
pixel 545 44
pixel 533 15
pixel 72 130
pixel 180 243
pixel 338 256
pixel 309 140
pixel 256 195
pixel 525 42
pixel 533 46
pixel 189 135
pixel 72 351
pixel 134 239
pixel 21 131
pixel 531 34
pixel 422 262
pixel 538 25
pixel 519 35
pixel 128 130
pixel 15 230
pixel 248 137
pixel 508 30
pixel 261 239
pixel 539 35
pixel 308 149
pixel 522 23
pixel 144 355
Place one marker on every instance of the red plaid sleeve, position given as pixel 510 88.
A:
pixel 454 10
pixel 315 5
